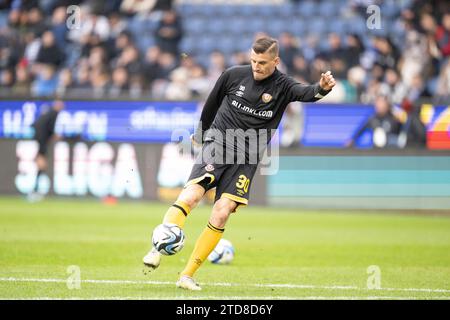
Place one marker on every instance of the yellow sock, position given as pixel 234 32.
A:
pixel 203 247
pixel 177 213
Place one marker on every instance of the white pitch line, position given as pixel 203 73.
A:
pixel 221 284
pixel 216 284
pixel 12 279
pixel 415 290
pixel 161 298
pixel 234 298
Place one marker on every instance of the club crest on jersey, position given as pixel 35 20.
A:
pixel 209 168
pixel 266 98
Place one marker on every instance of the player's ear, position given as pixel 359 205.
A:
pixel 277 60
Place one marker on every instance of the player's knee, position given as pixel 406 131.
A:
pixel 219 218
pixel 41 161
pixel 192 195
pixel 190 199
pixel 221 211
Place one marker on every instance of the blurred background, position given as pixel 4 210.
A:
pixel 130 72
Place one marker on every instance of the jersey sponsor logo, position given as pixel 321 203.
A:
pixel 266 97
pixel 261 113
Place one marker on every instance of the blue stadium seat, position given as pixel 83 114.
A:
pixel 328 8
pixel 195 25
pixel 318 26
pixel 227 11
pixel 367 41
pixel 207 43
pixel 308 8
pixel 342 3
pixel 203 59
pixel 217 25
pixel 255 25
pixel 404 4
pixel 237 26
pixel 227 45
pixel 3 18
pixel 297 26
pixel 276 26
pixel 356 25
pixel 188 45
pixel 390 9
pixel 432 85
pixel 337 25
pixel 286 10
pixel 397 32
pixel 188 10
pixel 135 25
pixel 323 45
pixel 144 42
pixel 246 10
pixel 264 11
pixel 209 10
pixel 73 53
pixel 276 11
pixel 244 43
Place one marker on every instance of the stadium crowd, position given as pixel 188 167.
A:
pixel 42 54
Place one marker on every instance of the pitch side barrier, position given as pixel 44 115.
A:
pixel 409 179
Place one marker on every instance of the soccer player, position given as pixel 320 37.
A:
pixel 244 97
pixel 44 130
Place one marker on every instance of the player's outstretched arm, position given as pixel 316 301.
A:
pixel 311 93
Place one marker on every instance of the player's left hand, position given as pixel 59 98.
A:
pixel 327 81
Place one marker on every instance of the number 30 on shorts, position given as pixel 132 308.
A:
pixel 243 183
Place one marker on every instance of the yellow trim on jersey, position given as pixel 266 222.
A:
pixel 197 180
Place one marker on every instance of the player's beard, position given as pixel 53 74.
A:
pixel 258 76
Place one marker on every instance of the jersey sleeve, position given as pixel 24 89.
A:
pixel 305 93
pixel 211 106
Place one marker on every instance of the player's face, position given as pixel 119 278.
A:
pixel 263 64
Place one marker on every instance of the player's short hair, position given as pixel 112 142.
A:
pixel 266 44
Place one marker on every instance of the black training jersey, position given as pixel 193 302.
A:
pixel 238 101
pixel 45 125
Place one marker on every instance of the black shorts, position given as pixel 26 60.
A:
pixel 231 181
pixel 43 144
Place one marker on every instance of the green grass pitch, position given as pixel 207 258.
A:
pixel 280 253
